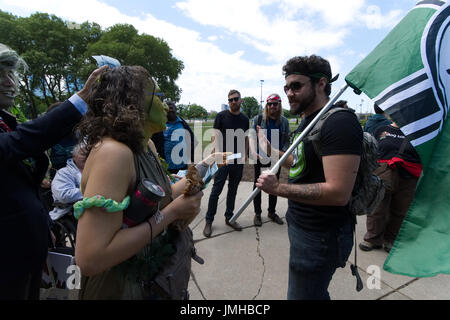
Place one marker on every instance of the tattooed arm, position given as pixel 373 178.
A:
pixel 340 174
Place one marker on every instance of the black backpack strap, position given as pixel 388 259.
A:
pixel 315 133
pixel 354 267
pixel 259 119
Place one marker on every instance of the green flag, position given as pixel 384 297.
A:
pixel 408 76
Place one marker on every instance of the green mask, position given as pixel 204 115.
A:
pixel 155 111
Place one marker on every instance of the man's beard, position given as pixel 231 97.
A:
pixel 274 113
pixel 171 116
pixel 235 108
pixel 304 104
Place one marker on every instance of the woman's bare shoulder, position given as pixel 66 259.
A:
pixel 109 152
pixel 109 158
pixel 112 148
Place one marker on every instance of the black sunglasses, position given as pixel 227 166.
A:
pixel 273 104
pixel 234 99
pixel 294 86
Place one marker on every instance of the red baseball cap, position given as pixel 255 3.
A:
pixel 273 96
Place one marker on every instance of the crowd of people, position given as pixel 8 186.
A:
pixel 116 148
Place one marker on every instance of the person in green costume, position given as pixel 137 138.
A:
pixel 119 261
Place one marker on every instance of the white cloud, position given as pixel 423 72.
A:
pixel 209 71
pixel 279 35
pixel 334 13
pixel 374 19
pixel 294 27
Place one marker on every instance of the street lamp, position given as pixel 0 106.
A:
pixel 261 95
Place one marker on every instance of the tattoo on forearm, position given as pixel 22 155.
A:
pixel 312 191
pixel 298 192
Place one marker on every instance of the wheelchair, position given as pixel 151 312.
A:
pixel 64 230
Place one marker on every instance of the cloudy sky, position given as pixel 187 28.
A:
pixel 237 43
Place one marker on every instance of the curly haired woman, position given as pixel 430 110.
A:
pixel 119 260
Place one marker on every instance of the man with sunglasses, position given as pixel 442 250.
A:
pixel 231 127
pixel 320 226
pixel 276 130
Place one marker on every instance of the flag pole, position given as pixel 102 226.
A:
pixel 277 166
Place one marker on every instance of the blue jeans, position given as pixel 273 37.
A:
pixel 314 257
pixel 257 200
pixel 234 173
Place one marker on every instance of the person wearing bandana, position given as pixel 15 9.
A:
pixel 24 221
pixel 276 130
pixel 320 225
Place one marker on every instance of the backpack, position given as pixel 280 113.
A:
pixel 369 189
pixel 172 280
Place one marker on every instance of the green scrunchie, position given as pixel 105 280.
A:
pixel 109 205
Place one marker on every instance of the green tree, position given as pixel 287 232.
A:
pixel 80 64
pixel 123 42
pixel 58 54
pixel 287 114
pixel 212 114
pixel 181 110
pixel 195 111
pixel 55 55
pixel 250 107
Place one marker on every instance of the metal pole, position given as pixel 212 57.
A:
pixel 261 105
pixel 277 166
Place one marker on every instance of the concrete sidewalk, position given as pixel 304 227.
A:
pixel 253 264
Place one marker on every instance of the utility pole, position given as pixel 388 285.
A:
pixel 360 109
pixel 261 106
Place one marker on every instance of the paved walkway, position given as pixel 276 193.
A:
pixel 253 264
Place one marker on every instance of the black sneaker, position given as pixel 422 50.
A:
pixel 275 218
pixel 208 230
pixel 367 246
pixel 257 220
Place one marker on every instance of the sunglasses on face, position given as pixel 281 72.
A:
pixel 234 99
pixel 275 104
pixel 160 96
pixel 294 86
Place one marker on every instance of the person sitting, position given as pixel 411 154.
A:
pixel 66 184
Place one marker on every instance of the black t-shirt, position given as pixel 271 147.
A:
pixel 237 127
pixel 390 142
pixel 341 133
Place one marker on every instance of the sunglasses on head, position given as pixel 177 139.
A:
pixel 270 104
pixel 234 99
pixel 294 86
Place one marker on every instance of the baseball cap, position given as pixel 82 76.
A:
pixel 273 96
